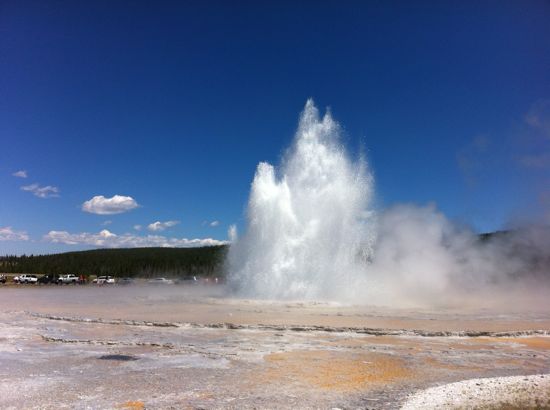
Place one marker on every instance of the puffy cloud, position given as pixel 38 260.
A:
pixel 42 191
pixel 20 174
pixel 107 239
pixel 8 234
pixel 214 223
pixel 137 227
pixel 80 238
pixel 161 226
pixel 108 206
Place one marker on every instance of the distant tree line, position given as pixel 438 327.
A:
pixel 143 262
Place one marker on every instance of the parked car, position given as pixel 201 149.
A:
pixel 27 279
pixel 67 279
pixel 160 281
pixel 188 280
pixel 126 281
pixel 2 278
pixel 104 280
pixel 46 279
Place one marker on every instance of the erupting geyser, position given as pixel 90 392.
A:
pixel 311 234
pixel 309 224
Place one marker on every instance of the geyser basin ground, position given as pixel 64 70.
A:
pixel 54 341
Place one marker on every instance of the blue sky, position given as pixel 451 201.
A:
pixel 173 104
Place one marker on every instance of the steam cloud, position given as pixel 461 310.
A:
pixel 312 234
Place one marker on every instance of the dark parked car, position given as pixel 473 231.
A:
pixel 2 279
pixel 47 279
pixel 126 281
pixel 189 280
pixel 160 281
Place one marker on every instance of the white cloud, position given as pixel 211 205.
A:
pixel 109 206
pixel 161 226
pixel 20 174
pixel 42 191
pixel 137 227
pixel 8 234
pixel 107 222
pixel 107 239
pixel 210 223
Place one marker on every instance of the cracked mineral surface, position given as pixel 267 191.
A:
pixel 194 347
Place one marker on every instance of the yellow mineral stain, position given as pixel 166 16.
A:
pixel 132 405
pixel 542 343
pixel 335 370
pixel 431 363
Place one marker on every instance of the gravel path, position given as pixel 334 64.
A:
pixel 514 392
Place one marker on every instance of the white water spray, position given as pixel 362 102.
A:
pixel 312 235
pixel 309 221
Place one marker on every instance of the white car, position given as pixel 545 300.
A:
pixel 104 280
pixel 160 281
pixel 24 278
pixel 67 279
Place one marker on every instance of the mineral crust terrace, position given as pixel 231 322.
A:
pixel 191 347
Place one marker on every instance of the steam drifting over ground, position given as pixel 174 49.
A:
pixel 313 234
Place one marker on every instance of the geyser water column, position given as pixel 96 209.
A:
pixel 309 230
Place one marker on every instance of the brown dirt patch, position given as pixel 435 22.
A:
pixel 336 370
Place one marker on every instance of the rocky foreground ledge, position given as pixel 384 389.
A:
pixel 513 392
